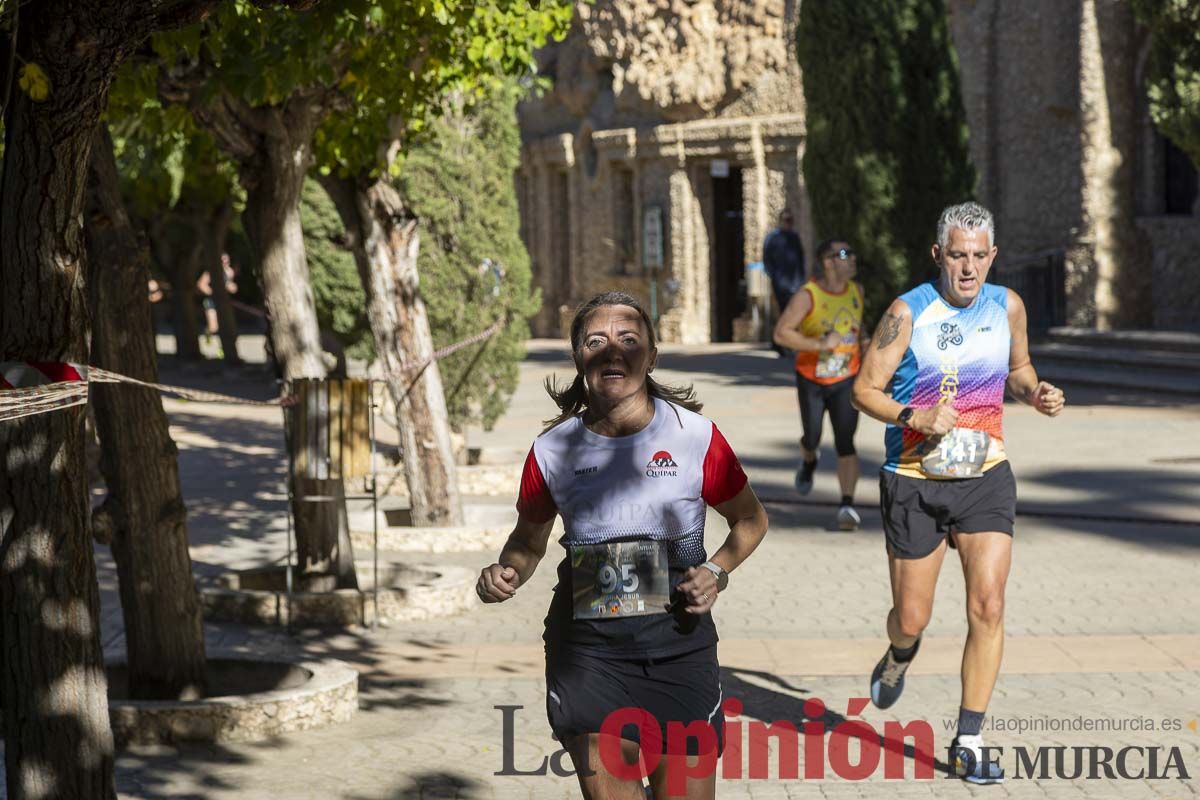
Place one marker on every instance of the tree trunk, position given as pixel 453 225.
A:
pixel 385 248
pixel 1108 94
pixel 57 738
pixel 273 145
pixel 273 181
pixel 214 249
pixel 143 515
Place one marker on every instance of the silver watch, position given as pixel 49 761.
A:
pixel 722 575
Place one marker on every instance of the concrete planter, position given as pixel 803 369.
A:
pixel 486 527
pixel 256 698
pixel 407 592
pixel 451 539
pixel 489 480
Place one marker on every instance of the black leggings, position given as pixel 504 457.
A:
pixel 815 398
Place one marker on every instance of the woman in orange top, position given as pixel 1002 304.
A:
pixel 822 323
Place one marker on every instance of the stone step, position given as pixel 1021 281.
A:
pixel 1175 341
pixel 1156 361
pixel 1108 357
pixel 1175 382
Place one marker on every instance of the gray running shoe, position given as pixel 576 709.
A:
pixel 887 681
pixel 848 519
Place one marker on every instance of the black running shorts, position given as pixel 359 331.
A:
pixel 582 690
pixel 918 513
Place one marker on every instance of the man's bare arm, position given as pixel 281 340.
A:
pixel 882 358
pixel 1022 377
pixel 787 329
pixel 1023 383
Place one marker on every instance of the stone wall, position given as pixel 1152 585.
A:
pixel 629 63
pixel 1058 133
pixel 1019 61
pixel 1176 281
pixel 624 73
pixel 647 93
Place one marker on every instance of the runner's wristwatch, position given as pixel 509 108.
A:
pixel 905 416
pixel 722 575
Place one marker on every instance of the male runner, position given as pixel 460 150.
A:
pixel 949 347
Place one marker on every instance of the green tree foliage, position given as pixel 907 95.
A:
pixel 459 183
pixel 337 290
pixel 379 72
pixel 458 180
pixel 1173 69
pixel 161 152
pixel 887 145
pixel 173 175
pixel 377 69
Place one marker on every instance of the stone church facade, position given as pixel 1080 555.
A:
pixel 673 135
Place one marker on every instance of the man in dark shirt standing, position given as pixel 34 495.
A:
pixel 783 260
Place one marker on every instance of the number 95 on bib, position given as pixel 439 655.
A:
pixel 619 579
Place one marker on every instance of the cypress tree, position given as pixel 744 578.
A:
pixel 1173 69
pixel 337 291
pixel 459 183
pixel 887 144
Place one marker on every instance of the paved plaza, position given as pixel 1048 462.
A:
pixel 1101 609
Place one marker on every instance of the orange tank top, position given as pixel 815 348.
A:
pixel 843 313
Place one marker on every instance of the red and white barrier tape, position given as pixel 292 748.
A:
pixel 28 388
pixel 38 387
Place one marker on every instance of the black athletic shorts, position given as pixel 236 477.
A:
pixel 582 690
pixel 918 513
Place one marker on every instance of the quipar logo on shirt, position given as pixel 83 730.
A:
pixel 661 465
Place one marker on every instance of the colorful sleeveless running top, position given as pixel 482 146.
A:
pixel 841 312
pixel 958 356
pixel 653 485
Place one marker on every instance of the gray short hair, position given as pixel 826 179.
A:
pixel 969 216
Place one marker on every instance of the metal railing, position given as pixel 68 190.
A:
pixel 1040 280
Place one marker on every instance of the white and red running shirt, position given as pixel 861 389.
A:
pixel 654 484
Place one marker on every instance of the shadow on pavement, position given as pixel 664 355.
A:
pixel 431 786
pixel 1132 496
pixel 252 382
pixel 378 688
pixel 771 698
pixel 233 483
pixel 152 772
pixel 1082 395
pixel 760 368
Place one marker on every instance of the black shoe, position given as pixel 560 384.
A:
pixel 804 476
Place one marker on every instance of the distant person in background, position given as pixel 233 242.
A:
pixel 783 261
pixel 155 290
pixel 204 286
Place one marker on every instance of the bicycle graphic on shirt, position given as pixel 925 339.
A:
pixel 950 335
